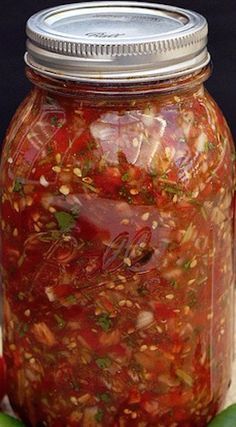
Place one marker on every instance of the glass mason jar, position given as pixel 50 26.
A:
pixel 117 224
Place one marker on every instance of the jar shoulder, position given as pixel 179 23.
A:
pixel 181 137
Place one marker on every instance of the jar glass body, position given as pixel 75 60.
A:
pixel 117 255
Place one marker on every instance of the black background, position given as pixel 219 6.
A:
pixel 221 15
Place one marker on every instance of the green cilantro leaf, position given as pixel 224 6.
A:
pixel 172 190
pixel 186 265
pixel 104 322
pixel 103 362
pixel 125 177
pixel 23 330
pixel 71 299
pixel 65 221
pixel 55 122
pixel 105 397
pixel 17 186
pixel 99 415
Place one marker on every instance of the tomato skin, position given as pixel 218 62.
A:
pixel 134 396
pixel 110 182
pixel 87 230
pixel 164 312
pixel 2 378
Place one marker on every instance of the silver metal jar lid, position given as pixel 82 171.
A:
pixel 116 41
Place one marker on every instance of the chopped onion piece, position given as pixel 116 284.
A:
pixel 145 318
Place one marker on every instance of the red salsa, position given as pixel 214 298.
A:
pixel 117 257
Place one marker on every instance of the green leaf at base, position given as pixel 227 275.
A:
pixel 226 418
pixel 7 421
